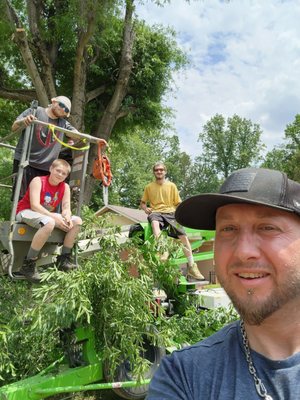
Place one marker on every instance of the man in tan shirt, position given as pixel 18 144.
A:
pixel 163 198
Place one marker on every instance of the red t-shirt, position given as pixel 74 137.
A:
pixel 50 196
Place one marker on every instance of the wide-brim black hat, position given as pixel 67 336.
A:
pixel 258 186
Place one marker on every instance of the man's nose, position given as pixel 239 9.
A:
pixel 247 246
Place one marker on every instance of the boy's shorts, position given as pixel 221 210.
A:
pixel 34 219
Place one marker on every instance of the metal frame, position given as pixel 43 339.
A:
pixel 59 377
pixel 24 162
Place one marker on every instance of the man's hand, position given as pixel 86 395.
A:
pixel 143 206
pixel 148 210
pixel 20 124
pixel 27 120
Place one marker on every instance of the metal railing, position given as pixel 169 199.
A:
pixel 24 162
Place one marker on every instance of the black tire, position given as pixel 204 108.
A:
pixel 137 232
pixel 123 373
pixel 5 259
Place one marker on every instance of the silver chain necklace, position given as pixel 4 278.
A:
pixel 260 387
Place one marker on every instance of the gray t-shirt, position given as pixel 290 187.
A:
pixel 44 148
pixel 216 369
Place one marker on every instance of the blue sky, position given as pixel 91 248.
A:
pixel 244 59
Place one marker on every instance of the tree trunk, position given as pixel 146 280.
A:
pixel 21 40
pixel 40 56
pixel 34 10
pixel 89 10
pixel 111 113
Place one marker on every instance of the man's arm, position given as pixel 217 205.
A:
pixel 71 129
pixel 143 206
pixel 21 124
pixel 144 201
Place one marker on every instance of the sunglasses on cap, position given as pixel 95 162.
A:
pixel 65 108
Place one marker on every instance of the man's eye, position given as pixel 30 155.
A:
pixel 267 228
pixel 227 228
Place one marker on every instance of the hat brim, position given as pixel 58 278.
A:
pixel 199 212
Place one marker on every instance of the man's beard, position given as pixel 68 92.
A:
pixel 55 113
pixel 254 311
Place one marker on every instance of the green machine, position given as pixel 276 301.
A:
pixel 82 367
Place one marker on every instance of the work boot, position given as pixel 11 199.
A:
pixel 29 271
pixel 64 263
pixel 194 273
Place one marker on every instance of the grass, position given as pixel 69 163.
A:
pixel 92 395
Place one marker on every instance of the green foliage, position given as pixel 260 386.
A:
pixel 24 351
pixel 286 156
pixel 230 145
pixel 291 152
pixel 195 324
pixel 112 291
pixel 9 110
pixel 203 178
pixel 156 56
pixel 5 192
pixel 293 166
pixel 292 134
pixel 277 158
pixel 179 166
pixel 6 366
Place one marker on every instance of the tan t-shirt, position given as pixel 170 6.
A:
pixel 162 198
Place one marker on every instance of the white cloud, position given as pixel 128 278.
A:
pixel 244 60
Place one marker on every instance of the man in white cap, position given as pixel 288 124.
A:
pixel 44 148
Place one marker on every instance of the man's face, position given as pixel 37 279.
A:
pixel 159 172
pixel 257 257
pixel 58 109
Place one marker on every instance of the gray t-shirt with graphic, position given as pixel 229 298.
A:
pixel 44 148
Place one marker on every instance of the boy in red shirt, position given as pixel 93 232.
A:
pixel 38 208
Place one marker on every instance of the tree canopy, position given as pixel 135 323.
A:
pixel 286 156
pixel 230 145
pixel 115 68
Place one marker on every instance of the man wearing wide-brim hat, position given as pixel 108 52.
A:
pixel 256 216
